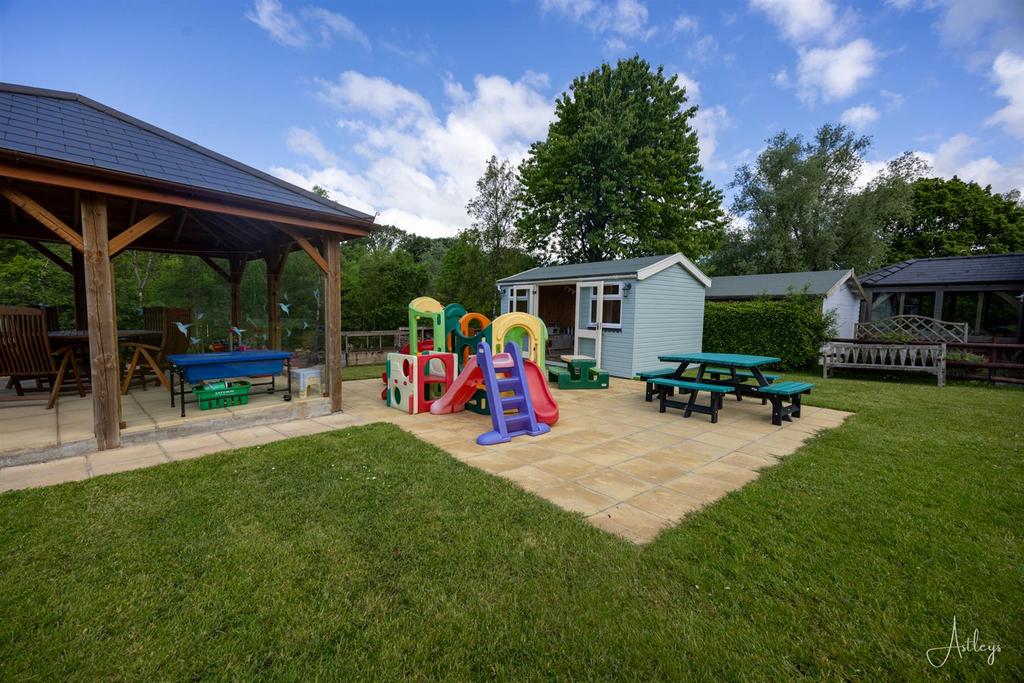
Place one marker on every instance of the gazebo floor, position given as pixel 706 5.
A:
pixel 31 433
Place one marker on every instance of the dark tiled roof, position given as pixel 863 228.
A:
pixel 949 270
pixel 572 271
pixel 72 128
pixel 774 284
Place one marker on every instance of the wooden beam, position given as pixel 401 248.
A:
pixel 332 323
pixel 216 268
pixel 34 231
pixel 99 296
pixel 123 239
pixel 78 281
pixel 36 210
pixel 313 252
pixel 351 227
pixel 237 270
pixel 45 251
pixel 276 256
pixel 182 217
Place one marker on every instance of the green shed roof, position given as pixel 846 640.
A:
pixel 639 268
pixel 818 283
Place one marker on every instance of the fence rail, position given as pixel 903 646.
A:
pixel 367 347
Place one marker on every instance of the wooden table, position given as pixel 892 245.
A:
pixel 83 335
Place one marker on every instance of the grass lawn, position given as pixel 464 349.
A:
pixel 368 554
pixel 363 372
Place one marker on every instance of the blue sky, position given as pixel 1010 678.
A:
pixel 396 106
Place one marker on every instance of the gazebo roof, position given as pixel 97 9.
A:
pixel 69 127
pixel 56 145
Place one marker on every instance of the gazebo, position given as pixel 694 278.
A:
pixel 75 171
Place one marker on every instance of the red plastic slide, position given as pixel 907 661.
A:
pixel 460 391
pixel 544 406
pixel 454 400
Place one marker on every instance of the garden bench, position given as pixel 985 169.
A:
pixel 780 391
pixel 717 392
pixel 657 373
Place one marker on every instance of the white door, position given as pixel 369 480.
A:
pixel 583 331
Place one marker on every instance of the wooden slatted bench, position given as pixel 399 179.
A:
pixel 658 373
pixel 780 391
pixel 717 392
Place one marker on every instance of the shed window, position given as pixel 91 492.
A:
pixel 520 300
pixel 612 314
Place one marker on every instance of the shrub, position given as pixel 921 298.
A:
pixel 792 329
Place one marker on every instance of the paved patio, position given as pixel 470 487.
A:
pixel 612 457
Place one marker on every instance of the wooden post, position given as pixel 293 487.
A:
pixel 78 278
pixel 332 322
pixel 237 269
pixel 99 296
pixel 275 256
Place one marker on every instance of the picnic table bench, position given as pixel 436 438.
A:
pixel 720 374
pixel 717 392
pixel 777 393
pixel 581 373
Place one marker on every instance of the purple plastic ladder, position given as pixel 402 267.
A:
pixel 524 421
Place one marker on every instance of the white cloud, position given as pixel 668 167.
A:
pixel 703 49
pixel 802 20
pixel 835 73
pixel 377 96
pixel 859 117
pixel 684 23
pixel 621 18
pixel 419 167
pixel 306 142
pixel 313 25
pixel 1008 72
pixel 709 123
pixel 953 157
pixel 691 85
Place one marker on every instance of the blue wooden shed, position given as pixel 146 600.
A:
pixel 623 313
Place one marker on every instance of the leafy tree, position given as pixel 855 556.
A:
pixel 865 224
pixel 953 218
pixel 467 276
pixel 794 197
pixel 618 174
pixel 495 209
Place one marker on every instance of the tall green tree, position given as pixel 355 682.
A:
pixel 618 175
pixel 793 198
pixel 954 218
pixel 495 209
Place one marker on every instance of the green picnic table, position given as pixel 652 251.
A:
pixel 720 374
pixel 717 373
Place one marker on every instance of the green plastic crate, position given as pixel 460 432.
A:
pixel 222 394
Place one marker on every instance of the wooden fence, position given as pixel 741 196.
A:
pixel 373 346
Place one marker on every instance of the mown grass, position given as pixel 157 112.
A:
pixel 363 371
pixel 368 554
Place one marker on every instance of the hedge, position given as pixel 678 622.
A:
pixel 792 329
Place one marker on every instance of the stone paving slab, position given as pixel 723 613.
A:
pixel 611 458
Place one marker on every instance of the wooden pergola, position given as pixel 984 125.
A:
pixel 160 193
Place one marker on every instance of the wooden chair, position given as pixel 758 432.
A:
pixel 151 357
pixel 25 353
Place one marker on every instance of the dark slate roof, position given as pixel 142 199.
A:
pixel 71 128
pixel 950 270
pixel 817 283
pixel 573 271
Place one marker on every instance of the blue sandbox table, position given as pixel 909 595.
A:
pixel 199 367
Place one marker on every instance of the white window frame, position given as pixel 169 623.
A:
pixel 595 301
pixel 517 294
